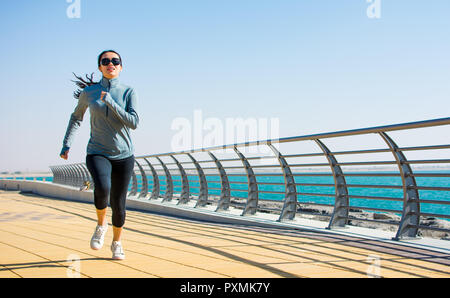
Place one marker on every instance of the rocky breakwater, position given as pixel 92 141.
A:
pixel 357 217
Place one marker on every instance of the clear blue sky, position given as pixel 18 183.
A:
pixel 317 66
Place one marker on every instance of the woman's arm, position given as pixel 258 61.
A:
pixel 74 123
pixel 128 115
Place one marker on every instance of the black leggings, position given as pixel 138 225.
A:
pixel 111 179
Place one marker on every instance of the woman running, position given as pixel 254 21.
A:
pixel 109 158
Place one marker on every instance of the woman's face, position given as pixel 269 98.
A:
pixel 110 71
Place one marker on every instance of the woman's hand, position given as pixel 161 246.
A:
pixel 65 155
pixel 102 96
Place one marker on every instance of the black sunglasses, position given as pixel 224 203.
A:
pixel 115 61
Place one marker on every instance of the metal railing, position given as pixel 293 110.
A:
pixel 273 181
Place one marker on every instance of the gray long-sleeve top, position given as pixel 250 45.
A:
pixel 111 119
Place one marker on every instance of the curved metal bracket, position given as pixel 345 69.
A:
pixel 184 197
pixel 53 169
pixel 290 200
pixel 134 185
pixel 169 183
pixel 72 175
pixel 155 189
pixel 64 175
pixel 225 197
pixel 76 175
pixel 252 198
pixel 87 174
pixel 66 171
pixel 339 218
pixel 203 191
pixel 81 179
pixel 144 189
pixel 60 175
pixel 411 205
pixel 56 174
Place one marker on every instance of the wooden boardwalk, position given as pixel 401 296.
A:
pixel 43 237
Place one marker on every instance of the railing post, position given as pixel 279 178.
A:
pixel 169 183
pixel 87 175
pixel 225 196
pixel 339 217
pixel 290 200
pixel 53 172
pixel 203 191
pixel 252 196
pixel 155 189
pixel 184 197
pixel 80 175
pixel 71 175
pixel 74 175
pixel 134 185
pixel 66 175
pixel 411 205
pixel 144 190
pixel 60 174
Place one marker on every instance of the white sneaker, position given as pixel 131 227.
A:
pixel 117 250
pixel 99 237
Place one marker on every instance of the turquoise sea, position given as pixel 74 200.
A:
pixel 315 194
pixel 30 178
pixel 323 194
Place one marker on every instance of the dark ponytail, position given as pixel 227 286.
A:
pixel 81 83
